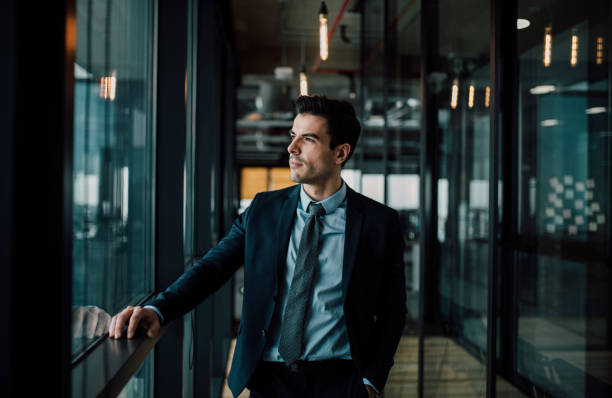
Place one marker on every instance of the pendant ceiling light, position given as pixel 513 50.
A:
pixel 547 47
pixel 303 77
pixel 574 52
pixel 600 46
pixel 303 81
pixel 323 38
pixel 454 94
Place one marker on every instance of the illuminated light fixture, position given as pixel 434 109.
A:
pixel 108 87
pixel 549 123
pixel 487 96
pixel 471 97
pixel 574 54
pixel 600 46
pixel 595 110
pixel 547 47
pixel 323 39
pixel 454 94
pixel 522 23
pixel 544 89
pixel 303 81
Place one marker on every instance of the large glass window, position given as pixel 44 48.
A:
pixel 388 153
pixel 564 330
pixel 458 86
pixel 113 162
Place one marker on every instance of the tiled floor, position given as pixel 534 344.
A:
pixel 449 371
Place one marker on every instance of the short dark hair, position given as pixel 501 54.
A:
pixel 342 124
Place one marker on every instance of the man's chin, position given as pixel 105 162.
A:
pixel 294 177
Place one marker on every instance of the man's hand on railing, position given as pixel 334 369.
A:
pixel 134 317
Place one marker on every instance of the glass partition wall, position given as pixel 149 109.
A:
pixel 387 158
pixel 533 78
pixel 460 81
pixel 561 256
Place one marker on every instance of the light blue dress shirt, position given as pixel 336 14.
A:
pixel 325 330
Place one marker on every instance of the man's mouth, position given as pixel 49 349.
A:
pixel 295 163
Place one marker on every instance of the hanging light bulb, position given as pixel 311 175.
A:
pixel 574 54
pixel 487 96
pixel 303 81
pixel 600 45
pixel 323 39
pixel 454 94
pixel 547 46
pixel 471 96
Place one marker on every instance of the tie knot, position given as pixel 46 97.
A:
pixel 316 209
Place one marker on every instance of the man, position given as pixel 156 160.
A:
pixel 324 289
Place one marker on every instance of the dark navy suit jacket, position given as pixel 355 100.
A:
pixel 373 280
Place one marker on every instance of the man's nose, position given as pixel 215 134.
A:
pixel 293 147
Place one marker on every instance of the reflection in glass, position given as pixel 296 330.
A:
pixel 112 240
pixel 564 332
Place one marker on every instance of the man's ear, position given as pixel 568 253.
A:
pixel 342 152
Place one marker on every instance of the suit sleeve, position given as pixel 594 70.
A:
pixel 391 309
pixel 206 276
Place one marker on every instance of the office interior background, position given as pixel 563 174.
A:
pixel 135 131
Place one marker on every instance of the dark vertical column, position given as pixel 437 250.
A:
pixel 192 42
pixel 362 77
pixel 509 169
pixel 232 77
pixel 386 72
pixel 503 122
pixel 608 59
pixel 7 181
pixel 36 152
pixel 428 261
pixel 171 130
pixel 208 132
pixel 223 299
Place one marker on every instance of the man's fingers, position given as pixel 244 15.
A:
pixel 133 317
pixel 134 321
pixel 121 319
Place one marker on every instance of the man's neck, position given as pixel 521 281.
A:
pixel 319 192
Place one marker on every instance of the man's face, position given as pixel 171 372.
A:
pixel 311 159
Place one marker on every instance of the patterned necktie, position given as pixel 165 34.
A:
pixel 292 330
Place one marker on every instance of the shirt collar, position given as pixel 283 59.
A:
pixel 330 204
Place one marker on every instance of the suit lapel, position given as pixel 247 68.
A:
pixel 285 222
pixel 354 220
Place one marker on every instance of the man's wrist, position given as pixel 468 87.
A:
pixel 157 311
